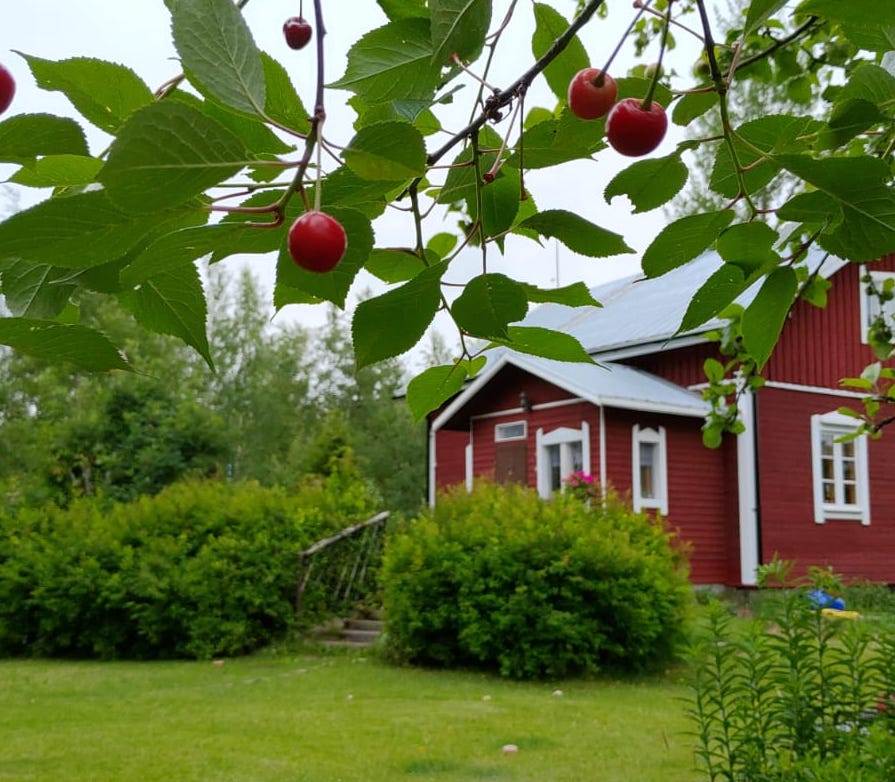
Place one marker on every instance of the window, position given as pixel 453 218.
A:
pixel 649 484
pixel 841 489
pixel 871 306
pixel 516 430
pixel 560 453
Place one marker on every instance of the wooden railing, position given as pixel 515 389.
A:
pixel 343 565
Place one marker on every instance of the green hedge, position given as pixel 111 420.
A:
pixel 199 570
pixel 502 579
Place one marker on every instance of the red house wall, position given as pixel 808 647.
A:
pixel 450 457
pixel 699 489
pixel 679 365
pixel 787 501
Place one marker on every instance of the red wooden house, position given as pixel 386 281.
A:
pixel 786 486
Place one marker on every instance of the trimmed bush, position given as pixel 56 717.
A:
pixel 499 578
pixel 199 570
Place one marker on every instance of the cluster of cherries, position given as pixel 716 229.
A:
pixel 633 127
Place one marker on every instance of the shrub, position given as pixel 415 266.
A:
pixel 796 696
pixel 200 569
pixel 499 578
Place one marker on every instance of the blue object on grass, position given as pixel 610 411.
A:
pixel 824 600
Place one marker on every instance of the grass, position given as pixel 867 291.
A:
pixel 326 718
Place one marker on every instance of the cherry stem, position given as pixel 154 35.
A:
pixel 648 100
pixel 675 22
pixel 455 58
pixel 598 82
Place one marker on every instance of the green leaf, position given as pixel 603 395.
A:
pixel 219 54
pixel 649 183
pixel 549 25
pixel 429 390
pixel 403 9
pixel 84 347
pixel 58 171
pixel 488 304
pixel 24 137
pixel 387 151
pixel 870 83
pixel 854 12
pixel 283 104
pixel 847 120
pixel 392 323
pixel 394 265
pixel 546 343
pixel 577 234
pixel 166 154
pixel 860 187
pixel 693 105
pixel 458 26
pixel 684 239
pixel 294 285
pixel 811 207
pixel 763 319
pixel 442 244
pixel 713 369
pixel 500 202
pixel 181 248
pixel 749 246
pixel 556 141
pixel 460 183
pixel 575 295
pixel 719 290
pixel 172 302
pixel 77 231
pixel 35 290
pixel 104 92
pixel 392 62
pixel 759 12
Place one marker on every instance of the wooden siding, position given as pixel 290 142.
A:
pixel 698 489
pixel 450 457
pixel 788 528
pixel 680 365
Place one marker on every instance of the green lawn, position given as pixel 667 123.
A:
pixel 308 718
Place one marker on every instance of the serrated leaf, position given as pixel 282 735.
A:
pixel 868 82
pixel 764 317
pixel 854 12
pixel 442 244
pixel 35 290
pixel 693 105
pixel 403 9
pixel 575 295
pixel 58 171
pixel 84 347
pixel 719 290
pixel 392 323
pixel 460 183
pixel 749 246
pixel 77 231
pixel 488 304
pixel 24 137
pixel 549 25
pixel 556 141
pixel 538 341
pixel 219 54
pixel 104 92
pixel 282 102
pixel 166 154
pixel 500 202
pixel 649 183
pixel 393 62
pixel 294 285
pixel 172 302
pixel 860 187
pixel 576 233
pixel 847 120
pixel 759 12
pixel 387 151
pixel 432 388
pixel 394 265
pixel 458 26
pixel 683 240
pixel 811 207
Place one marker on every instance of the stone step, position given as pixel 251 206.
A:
pixel 360 636
pixel 376 625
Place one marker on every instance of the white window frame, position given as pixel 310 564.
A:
pixel 869 303
pixel 651 437
pixel 837 424
pixel 564 436
pixel 499 437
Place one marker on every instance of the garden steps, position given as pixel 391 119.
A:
pixel 356 631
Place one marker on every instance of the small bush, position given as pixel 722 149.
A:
pixel 500 578
pixel 198 570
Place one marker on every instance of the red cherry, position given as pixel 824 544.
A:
pixel 298 32
pixel 634 130
pixel 7 89
pixel 587 98
pixel 317 242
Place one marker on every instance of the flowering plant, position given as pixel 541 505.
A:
pixel 582 485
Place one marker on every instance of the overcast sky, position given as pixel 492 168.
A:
pixel 137 33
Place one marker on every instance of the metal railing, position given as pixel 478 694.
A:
pixel 342 566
